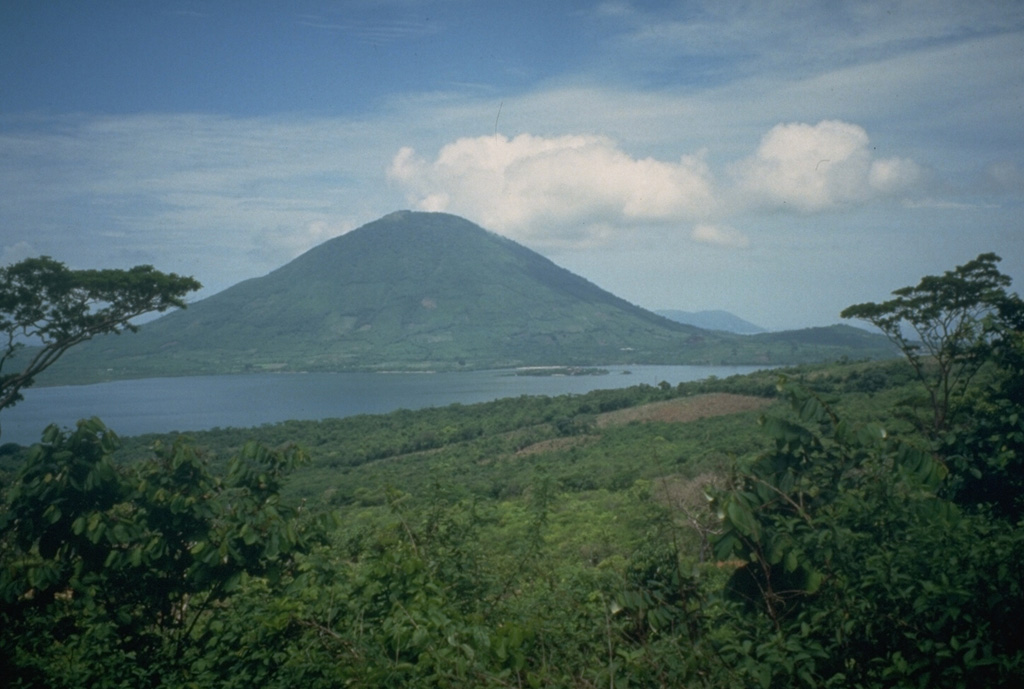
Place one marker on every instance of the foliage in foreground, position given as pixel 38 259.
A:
pixel 857 572
pixel 849 562
pixel 114 574
pixel 859 544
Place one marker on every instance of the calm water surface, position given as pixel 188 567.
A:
pixel 160 405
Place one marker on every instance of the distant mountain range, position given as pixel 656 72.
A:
pixel 712 320
pixel 427 291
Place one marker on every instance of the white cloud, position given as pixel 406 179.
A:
pixel 816 167
pixel 517 186
pixel 579 189
pixel 719 235
pixel 941 204
pixel 893 175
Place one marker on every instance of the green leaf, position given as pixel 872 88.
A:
pixel 813 581
pixel 725 546
pixel 742 518
pixel 791 562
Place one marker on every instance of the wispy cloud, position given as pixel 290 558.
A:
pixel 374 32
pixel 737 39
pixel 720 235
pixel 225 196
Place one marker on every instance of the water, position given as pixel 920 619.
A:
pixel 160 405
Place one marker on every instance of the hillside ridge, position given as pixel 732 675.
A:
pixel 415 291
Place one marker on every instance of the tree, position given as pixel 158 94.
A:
pixel 872 558
pixel 113 573
pixel 946 326
pixel 856 571
pixel 44 303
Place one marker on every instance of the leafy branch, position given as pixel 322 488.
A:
pixel 45 304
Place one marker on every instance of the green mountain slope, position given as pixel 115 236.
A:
pixel 413 291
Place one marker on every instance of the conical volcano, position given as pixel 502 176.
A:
pixel 411 291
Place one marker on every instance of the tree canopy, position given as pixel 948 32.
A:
pixel 946 325
pixel 112 571
pixel 48 306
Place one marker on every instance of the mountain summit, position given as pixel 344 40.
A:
pixel 411 291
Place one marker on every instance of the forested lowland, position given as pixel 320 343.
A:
pixel 855 524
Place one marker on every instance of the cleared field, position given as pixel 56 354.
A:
pixel 685 409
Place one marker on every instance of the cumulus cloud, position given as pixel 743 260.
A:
pixel 816 167
pixel 584 189
pixel 719 235
pixel 517 185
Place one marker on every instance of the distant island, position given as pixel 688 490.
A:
pixel 561 371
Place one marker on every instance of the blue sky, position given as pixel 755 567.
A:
pixel 779 163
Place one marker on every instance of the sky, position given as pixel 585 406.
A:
pixel 780 161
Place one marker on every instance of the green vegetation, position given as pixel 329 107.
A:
pixel 123 570
pixel 52 308
pixel 429 291
pixel 546 542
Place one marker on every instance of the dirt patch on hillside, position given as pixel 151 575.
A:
pixel 685 409
pixel 681 410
